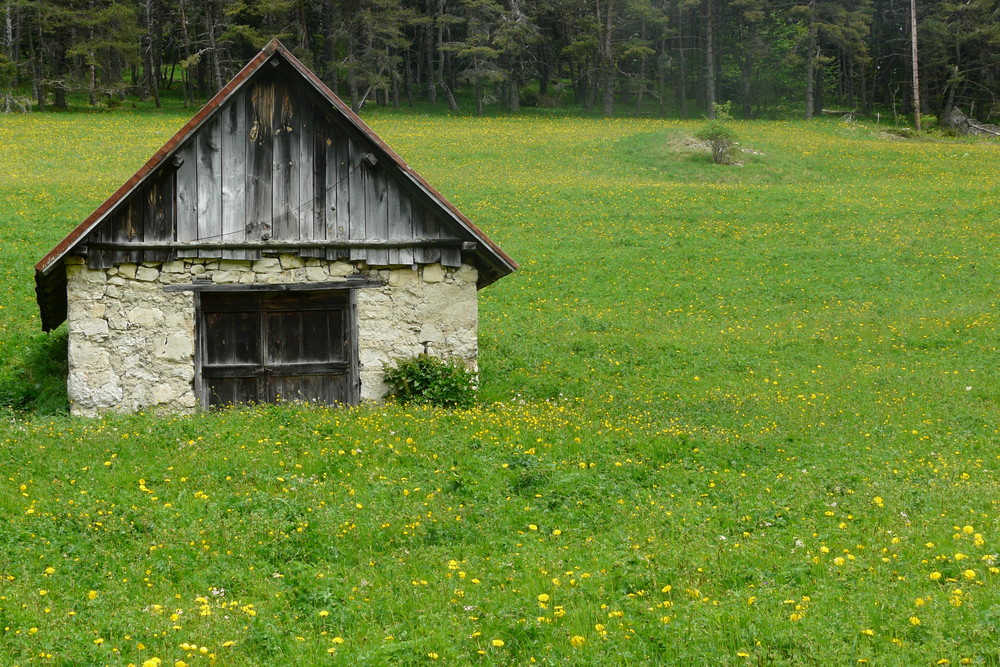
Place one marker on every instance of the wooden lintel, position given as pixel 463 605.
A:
pixel 280 245
pixel 274 287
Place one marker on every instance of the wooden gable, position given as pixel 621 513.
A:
pixel 274 162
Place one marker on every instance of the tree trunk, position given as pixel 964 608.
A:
pixel 543 71
pixel 709 61
pixel 155 39
pixel 37 81
pixel 185 53
pixel 214 50
pixel 59 101
pixel 916 69
pixel 429 55
pixel 452 105
pixel 746 72
pixel 15 53
pixel 811 60
pixel 681 64
pixel 607 62
pixel 642 73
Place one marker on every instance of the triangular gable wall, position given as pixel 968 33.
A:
pixel 274 161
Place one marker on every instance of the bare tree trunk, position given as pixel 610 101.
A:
pixel 709 61
pixel 153 59
pixel 37 82
pixel 186 53
pixel 607 61
pixel 681 63
pixel 916 69
pixel 214 49
pixel 811 60
pixel 15 53
pixel 429 55
pixel 452 105
pixel 8 32
pixel 746 69
pixel 439 72
pixel 642 73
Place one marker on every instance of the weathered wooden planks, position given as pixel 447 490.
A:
pixel 285 188
pixel 209 147
pixel 187 195
pixel 234 188
pixel 272 164
pixel 259 167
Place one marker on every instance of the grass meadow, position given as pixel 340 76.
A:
pixel 730 415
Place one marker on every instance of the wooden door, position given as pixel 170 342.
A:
pixel 262 347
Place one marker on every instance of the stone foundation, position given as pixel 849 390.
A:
pixel 132 344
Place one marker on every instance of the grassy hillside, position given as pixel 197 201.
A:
pixel 730 415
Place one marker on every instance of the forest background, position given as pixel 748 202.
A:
pixel 770 58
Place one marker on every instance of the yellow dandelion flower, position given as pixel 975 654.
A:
pixel 577 641
pixel 543 597
pixel 92 595
pixel 969 574
pixel 497 643
pixel 742 654
pixel 432 655
pixel 935 576
pixel 152 662
pixel 838 561
pixel 324 613
pixel 868 632
pixel 914 620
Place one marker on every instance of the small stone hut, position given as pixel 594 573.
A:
pixel 275 248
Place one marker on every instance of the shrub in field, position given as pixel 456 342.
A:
pixel 719 135
pixel 427 379
pixel 721 138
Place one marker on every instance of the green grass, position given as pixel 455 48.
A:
pixel 729 415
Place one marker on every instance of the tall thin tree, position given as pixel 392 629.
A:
pixel 916 69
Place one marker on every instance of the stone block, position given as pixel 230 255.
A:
pixel 316 274
pixel 433 273
pixel 176 266
pixel 267 265
pixel 127 271
pixel 291 261
pixel 146 273
pixel 174 347
pixel 234 265
pixel 225 277
pixel 91 327
pixel 341 269
pixel 403 278
pixel 146 317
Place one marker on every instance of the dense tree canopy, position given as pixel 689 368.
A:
pixel 674 57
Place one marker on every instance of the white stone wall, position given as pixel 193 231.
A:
pixel 131 344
